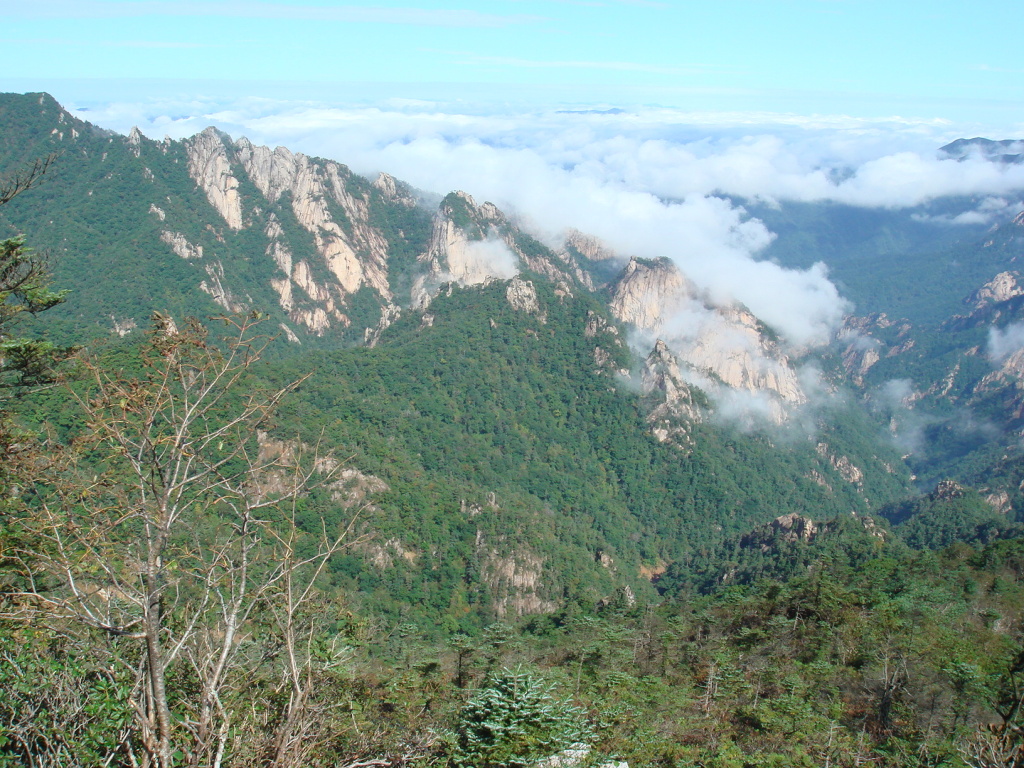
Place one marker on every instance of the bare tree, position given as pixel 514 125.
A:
pixel 166 538
pixel 25 178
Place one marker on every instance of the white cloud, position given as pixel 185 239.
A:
pixel 988 210
pixel 895 394
pixel 746 410
pixel 1003 342
pixel 498 259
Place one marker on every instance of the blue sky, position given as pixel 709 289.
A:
pixel 861 57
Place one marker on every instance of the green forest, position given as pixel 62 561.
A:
pixel 461 545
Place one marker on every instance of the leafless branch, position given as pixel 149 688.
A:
pixel 26 178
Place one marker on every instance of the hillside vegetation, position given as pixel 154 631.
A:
pixel 380 507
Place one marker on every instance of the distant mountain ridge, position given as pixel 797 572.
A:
pixel 1004 151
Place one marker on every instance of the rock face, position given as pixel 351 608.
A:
pixel 1002 287
pixel 349 253
pixel 677 409
pixel 354 258
pixel 860 347
pixel 466 248
pixel 719 348
pixel 946 490
pixel 514 578
pixel 737 351
pixel 210 168
pixel 473 244
pixel 1009 374
pixel 180 245
pixel 787 528
pixel 214 286
pixel 651 293
pixel 522 296
pixel 841 464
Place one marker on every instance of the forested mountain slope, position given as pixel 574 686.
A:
pixel 442 460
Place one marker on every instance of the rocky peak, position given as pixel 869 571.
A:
pixel 351 254
pixel 392 189
pixel 947 490
pixel 588 246
pixel 210 168
pixel 272 171
pixel 725 345
pixel 676 408
pixel 472 244
pixel 522 296
pixel 135 141
pixel 784 529
pixel 1002 287
pixel 465 248
pixel 650 293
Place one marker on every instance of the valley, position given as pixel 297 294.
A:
pixel 520 462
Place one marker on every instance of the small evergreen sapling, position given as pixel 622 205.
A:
pixel 516 720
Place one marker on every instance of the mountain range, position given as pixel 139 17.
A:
pixel 538 420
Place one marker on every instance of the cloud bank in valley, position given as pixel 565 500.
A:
pixel 649 182
pixel 1004 342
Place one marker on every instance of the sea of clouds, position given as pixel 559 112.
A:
pixel 651 181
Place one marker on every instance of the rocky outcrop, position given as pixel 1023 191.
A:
pixel 352 488
pixel 715 346
pixel 1002 287
pixel 675 410
pixel 181 246
pixel 391 189
pixel 589 246
pixel 383 556
pixel 733 348
pixel 841 464
pixel 1008 376
pixel 466 248
pixel 214 286
pixel 999 501
pixel 134 141
pixel 609 345
pixel 351 254
pixel 649 294
pixel 860 348
pixel 473 244
pixel 210 168
pixel 513 578
pixel 310 187
pixel 590 260
pixel 786 528
pixel 522 296
pixel 946 490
